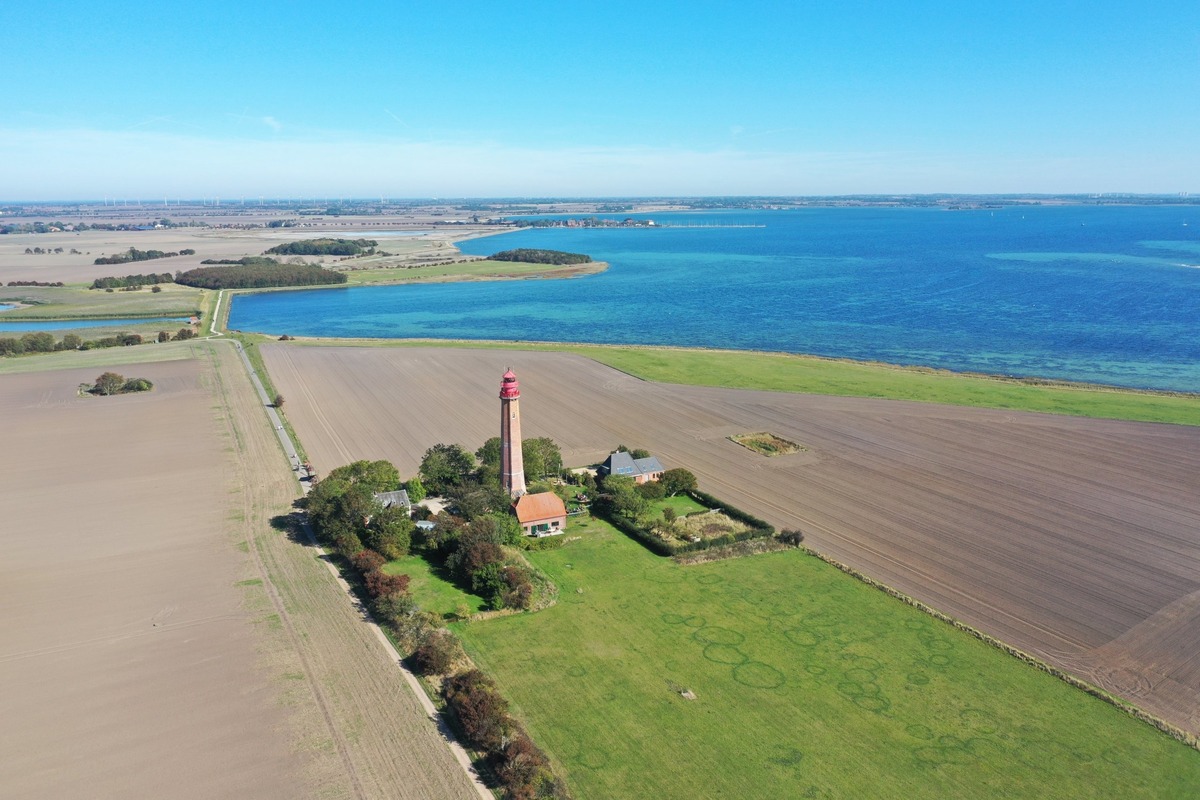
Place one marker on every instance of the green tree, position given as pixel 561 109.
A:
pixel 390 533
pixel 623 497
pixel 415 489
pixel 677 480
pixel 163 336
pixel 137 385
pixel 542 457
pixel 71 341
pixel 39 342
pixel 489 453
pixel 10 346
pixel 445 466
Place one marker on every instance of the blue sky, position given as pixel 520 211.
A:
pixel 403 99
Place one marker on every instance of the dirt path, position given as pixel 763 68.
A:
pixel 367 721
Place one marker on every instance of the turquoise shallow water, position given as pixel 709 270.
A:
pixel 1110 295
pixel 75 324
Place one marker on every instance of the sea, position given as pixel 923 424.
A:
pixel 1103 294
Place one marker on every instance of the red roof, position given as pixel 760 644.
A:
pixel 540 506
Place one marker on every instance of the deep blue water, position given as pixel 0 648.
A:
pixel 1110 295
pixel 74 324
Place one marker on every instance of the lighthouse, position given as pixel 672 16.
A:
pixel 512 468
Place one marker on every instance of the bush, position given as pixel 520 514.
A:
pixel 791 537
pixel 380 584
pixel 367 561
pixel 137 385
pixel 481 712
pixel 523 769
pixel 437 654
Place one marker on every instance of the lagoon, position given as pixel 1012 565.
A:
pixel 1102 294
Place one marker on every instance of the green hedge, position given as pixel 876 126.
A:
pixel 759 529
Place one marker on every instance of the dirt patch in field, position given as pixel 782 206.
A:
pixel 1075 539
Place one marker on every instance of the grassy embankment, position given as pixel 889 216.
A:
pixel 469 271
pixel 798 671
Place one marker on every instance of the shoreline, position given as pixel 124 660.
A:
pixel 1032 381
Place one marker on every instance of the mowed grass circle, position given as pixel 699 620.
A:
pixel 804 637
pixel 714 634
pixel 758 675
pixel 725 654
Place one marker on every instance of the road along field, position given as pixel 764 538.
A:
pixel 158 637
pixel 1077 540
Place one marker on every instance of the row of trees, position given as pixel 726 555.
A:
pixel 35 283
pixel 44 342
pixel 133 254
pixel 345 514
pixel 259 273
pixel 117 282
pixel 325 247
pixel 534 256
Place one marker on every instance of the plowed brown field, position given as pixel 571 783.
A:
pixel 158 638
pixel 1074 539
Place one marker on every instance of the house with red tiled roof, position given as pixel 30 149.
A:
pixel 541 514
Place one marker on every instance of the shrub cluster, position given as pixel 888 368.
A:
pixel 132 280
pixel 533 256
pixel 259 273
pixel 133 254
pixel 110 383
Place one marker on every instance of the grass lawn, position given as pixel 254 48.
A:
pixel 432 591
pixel 807 684
pixel 682 504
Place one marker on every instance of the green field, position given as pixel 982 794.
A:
pixel 106 357
pixel 807 682
pixel 75 302
pixel 433 593
pixel 467 270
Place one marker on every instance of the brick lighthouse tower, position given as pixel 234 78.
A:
pixel 512 467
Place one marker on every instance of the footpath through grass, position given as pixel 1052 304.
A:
pixel 807 684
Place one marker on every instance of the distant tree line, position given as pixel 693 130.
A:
pixel 325 247
pixel 149 279
pixel 259 273
pixel 57 226
pixel 532 256
pixel 133 254
pixel 35 283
